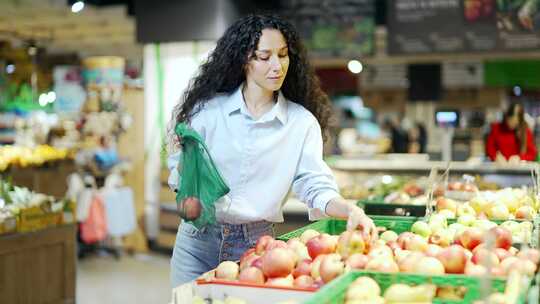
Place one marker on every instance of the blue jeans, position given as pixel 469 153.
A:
pixel 197 251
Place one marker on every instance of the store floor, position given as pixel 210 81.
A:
pixel 137 279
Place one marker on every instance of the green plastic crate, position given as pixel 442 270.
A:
pixel 335 291
pixel 397 224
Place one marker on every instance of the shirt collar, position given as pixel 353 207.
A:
pixel 236 103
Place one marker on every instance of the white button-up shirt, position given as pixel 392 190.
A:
pixel 261 159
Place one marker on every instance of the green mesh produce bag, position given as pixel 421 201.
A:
pixel 200 182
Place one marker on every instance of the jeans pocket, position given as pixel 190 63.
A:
pixel 188 229
pixel 255 234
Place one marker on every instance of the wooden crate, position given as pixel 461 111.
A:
pixel 38 267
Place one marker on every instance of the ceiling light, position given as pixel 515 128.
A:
pixel 517 90
pixel 10 68
pixel 43 100
pixel 355 66
pixel 77 7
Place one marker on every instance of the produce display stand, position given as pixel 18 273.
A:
pixel 334 292
pixel 38 267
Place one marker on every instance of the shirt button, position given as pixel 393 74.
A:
pixel 225 255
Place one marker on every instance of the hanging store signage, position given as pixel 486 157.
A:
pixel 449 26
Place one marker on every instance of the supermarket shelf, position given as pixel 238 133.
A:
pixel 408 166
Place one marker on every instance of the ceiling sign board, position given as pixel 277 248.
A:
pixel 334 29
pixel 463 74
pixel 449 26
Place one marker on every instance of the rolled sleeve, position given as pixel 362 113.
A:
pixel 314 182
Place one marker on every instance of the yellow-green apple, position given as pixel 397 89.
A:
pixel 448 214
pixel 484 224
pixel 389 236
pixel 363 288
pixel 331 267
pixel 287 281
pixel 479 204
pixel 465 209
pixel 251 275
pixel 437 221
pixel 227 270
pixel 380 250
pixel 393 245
pixel 498 212
pixel 276 244
pixel 277 262
pixel 321 244
pixel 302 268
pixel 429 265
pixel 350 242
pixel 453 258
pixel 308 235
pixel 262 243
pixel 442 237
pixel 466 220
pixel 421 228
pixel 299 248
pixel 303 281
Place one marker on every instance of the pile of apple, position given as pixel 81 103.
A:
pixel 365 290
pixel 505 204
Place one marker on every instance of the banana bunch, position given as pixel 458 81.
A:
pixel 22 156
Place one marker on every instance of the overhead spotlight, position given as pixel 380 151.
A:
pixel 77 7
pixel 43 100
pixel 355 66
pixel 51 97
pixel 10 68
pixel 517 90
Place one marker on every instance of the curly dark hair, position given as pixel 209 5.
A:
pixel 224 71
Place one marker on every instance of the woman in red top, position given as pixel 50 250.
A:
pixel 511 139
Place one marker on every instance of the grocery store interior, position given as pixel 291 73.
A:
pixel 434 133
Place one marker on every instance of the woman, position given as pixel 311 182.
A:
pixel 511 140
pixel 259 107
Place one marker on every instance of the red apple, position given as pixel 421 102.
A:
pixel 303 268
pixel 331 267
pixel 251 275
pixel 486 258
pixel 247 253
pixel 286 281
pixel 322 244
pixel 316 265
pixel 190 208
pixel 262 243
pixel 357 261
pixel 441 237
pixel 257 263
pixel 446 204
pixel 508 264
pixel 530 254
pixel 276 244
pixel 308 235
pixel 393 245
pixel 416 243
pixel 455 186
pixel 503 237
pixel 318 283
pixel 429 266
pixel 382 264
pixel 277 262
pixel 526 213
pixel 502 253
pixel 433 250
pixel 475 270
pixel 404 238
pixel 350 242
pixel 471 237
pixel 303 281
pixel 246 262
pixel 453 259
pixel 408 263
pixel 227 270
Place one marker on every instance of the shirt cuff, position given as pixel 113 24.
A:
pixel 323 199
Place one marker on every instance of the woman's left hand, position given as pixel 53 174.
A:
pixel 359 220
